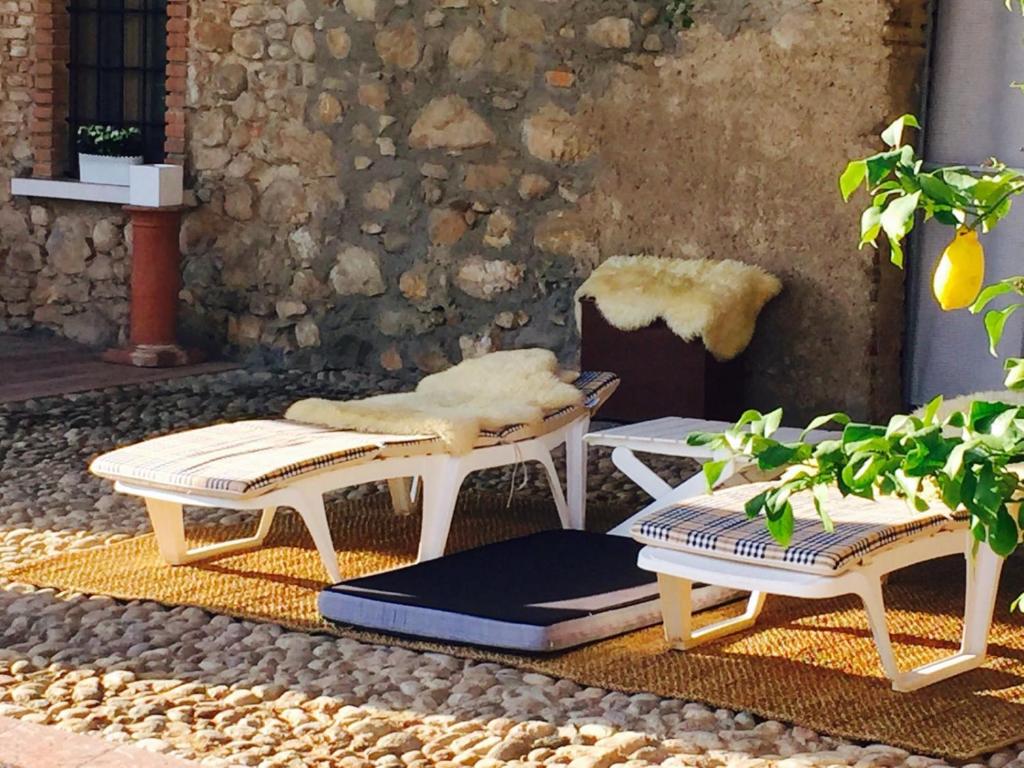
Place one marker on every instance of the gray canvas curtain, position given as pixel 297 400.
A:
pixel 973 114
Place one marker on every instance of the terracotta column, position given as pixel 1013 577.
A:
pixel 156 280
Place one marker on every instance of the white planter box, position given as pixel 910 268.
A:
pixel 100 169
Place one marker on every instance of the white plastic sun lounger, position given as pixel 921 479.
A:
pixel 266 464
pixel 708 539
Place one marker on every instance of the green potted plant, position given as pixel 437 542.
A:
pixel 106 153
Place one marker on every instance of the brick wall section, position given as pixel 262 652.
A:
pixel 177 79
pixel 48 126
pixel 15 78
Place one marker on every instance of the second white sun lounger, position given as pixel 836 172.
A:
pixel 708 539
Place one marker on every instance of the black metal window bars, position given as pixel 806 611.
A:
pixel 117 69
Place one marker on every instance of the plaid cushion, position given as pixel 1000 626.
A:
pixel 241 459
pixel 716 525
pixel 596 386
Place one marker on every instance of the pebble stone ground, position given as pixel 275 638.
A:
pixel 228 692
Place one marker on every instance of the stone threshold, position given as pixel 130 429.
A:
pixel 28 745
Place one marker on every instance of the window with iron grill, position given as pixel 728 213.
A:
pixel 117 69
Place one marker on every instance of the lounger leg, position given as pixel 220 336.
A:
pixel 401 494
pixel 982 584
pixel 310 506
pixel 874 604
pixel 576 473
pixel 983 571
pixel 676 609
pixel 677 614
pixel 168 519
pixel 544 457
pixel 440 492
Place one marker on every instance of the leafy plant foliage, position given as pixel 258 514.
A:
pixel 970 460
pixel 962 461
pixel 109 141
pixel 900 187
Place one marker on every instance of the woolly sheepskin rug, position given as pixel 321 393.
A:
pixel 716 301
pixel 489 392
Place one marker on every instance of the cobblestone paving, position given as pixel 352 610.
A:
pixel 231 692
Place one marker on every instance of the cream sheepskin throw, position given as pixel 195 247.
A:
pixel 716 301
pixel 489 392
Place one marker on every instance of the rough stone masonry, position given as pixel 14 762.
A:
pixel 399 184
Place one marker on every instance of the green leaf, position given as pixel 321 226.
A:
pixel 893 135
pixel 856 434
pixel 755 506
pixel 931 409
pixel 958 178
pixel 820 494
pixel 713 471
pixel 771 422
pixel 950 491
pixel 938 189
pixel 776 456
pixel 982 414
pixel 870 225
pixel 990 292
pixel 898 217
pixel 819 421
pixel 897 425
pixel 986 500
pixel 1014 367
pixel 881 165
pixel 851 178
pixel 749 416
pixel 955 461
pixel 1003 534
pixel 701 438
pixel 995 322
pixel 950 218
pixel 896 252
pixel 781 526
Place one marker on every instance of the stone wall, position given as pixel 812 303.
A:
pixel 401 183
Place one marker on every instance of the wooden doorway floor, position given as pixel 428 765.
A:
pixel 41 366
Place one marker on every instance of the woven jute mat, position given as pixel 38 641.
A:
pixel 810 662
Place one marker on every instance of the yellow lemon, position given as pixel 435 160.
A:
pixel 960 271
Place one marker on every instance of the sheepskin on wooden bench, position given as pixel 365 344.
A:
pixel 715 301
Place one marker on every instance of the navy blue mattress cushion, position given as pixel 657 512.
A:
pixel 543 592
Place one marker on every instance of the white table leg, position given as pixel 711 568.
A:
pixel 576 473
pixel 693 486
pixel 640 473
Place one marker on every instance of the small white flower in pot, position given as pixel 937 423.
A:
pixel 105 153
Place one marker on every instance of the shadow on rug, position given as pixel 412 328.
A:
pixel 807 662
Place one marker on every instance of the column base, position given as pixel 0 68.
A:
pixel 153 356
